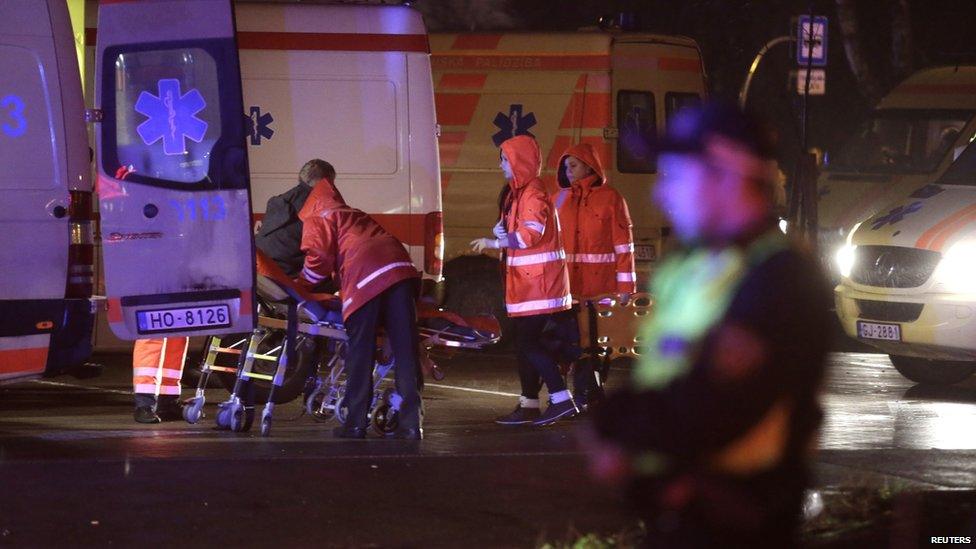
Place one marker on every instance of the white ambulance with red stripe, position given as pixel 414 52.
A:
pixel 908 271
pixel 186 132
pixel 348 83
pixel 615 90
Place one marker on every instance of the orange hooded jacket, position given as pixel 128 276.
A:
pixel 536 281
pixel 596 230
pixel 339 239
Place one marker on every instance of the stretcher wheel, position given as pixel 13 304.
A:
pixel 341 411
pixel 241 419
pixel 318 406
pixel 193 410
pixel 266 425
pixel 437 373
pixel 224 414
pixel 385 418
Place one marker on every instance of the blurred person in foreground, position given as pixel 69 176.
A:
pixel 714 432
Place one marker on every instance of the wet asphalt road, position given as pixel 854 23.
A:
pixel 76 470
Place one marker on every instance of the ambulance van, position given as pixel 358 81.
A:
pixel 348 83
pixel 615 90
pixel 171 171
pixel 908 271
pixel 911 137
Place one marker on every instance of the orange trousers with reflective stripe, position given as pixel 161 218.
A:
pixel 157 365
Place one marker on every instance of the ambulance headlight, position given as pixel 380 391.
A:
pixel 845 259
pixel 957 269
pixel 845 256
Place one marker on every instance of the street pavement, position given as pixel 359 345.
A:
pixel 76 470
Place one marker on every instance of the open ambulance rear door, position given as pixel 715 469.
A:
pixel 45 192
pixel 172 169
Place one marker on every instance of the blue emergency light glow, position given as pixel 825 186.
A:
pixel 13 105
pixel 171 116
pixel 206 209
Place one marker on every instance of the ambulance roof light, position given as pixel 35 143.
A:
pixel 621 21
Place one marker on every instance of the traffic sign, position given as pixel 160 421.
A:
pixel 818 81
pixel 811 47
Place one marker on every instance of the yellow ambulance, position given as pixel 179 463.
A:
pixel 908 271
pixel 616 90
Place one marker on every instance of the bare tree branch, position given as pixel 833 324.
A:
pixel 902 40
pixel 854 48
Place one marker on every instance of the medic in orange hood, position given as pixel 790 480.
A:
pixel 596 227
pixel 536 277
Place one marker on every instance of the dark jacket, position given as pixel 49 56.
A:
pixel 280 237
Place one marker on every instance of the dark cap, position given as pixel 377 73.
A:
pixel 691 128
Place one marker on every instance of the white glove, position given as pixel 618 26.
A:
pixel 481 244
pixel 499 230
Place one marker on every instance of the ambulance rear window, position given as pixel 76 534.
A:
pixel 637 125
pixel 165 119
pixel 26 134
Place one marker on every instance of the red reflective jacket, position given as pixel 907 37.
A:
pixel 340 240
pixel 596 230
pixel 536 281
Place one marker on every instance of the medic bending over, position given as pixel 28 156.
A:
pixel 378 286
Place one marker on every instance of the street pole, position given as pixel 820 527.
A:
pixel 808 198
pixel 744 92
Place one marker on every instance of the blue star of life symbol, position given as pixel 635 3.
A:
pixel 512 124
pixel 171 116
pixel 258 125
pixel 896 215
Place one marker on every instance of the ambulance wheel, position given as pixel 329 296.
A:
pixel 932 372
pixel 385 419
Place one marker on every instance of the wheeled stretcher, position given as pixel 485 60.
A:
pixel 285 309
pixel 609 330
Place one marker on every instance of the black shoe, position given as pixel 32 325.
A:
pixel 349 432
pixel 521 416
pixel 555 412
pixel 169 410
pixel 406 434
pixel 145 414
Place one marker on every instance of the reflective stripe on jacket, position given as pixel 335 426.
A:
pixel 596 230
pixel 536 280
pixel 157 365
pixel 338 239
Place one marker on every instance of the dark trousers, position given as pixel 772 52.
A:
pixel 394 310
pixel 534 360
